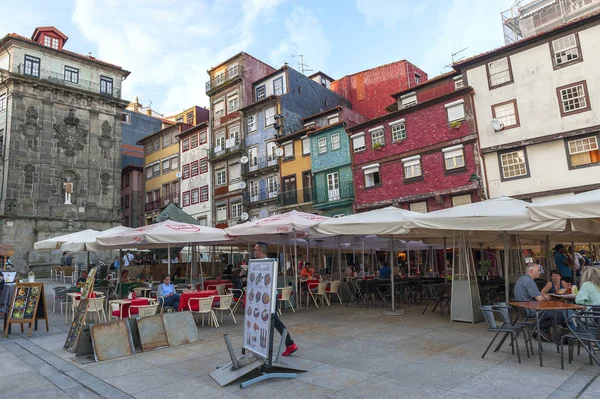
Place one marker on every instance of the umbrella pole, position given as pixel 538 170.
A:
pixel 169 260
pixel 445 258
pixel 362 259
pixel 340 257
pixel 119 271
pixel 506 254
pixel 408 256
pixel 574 263
pixel 284 262
pixel 296 267
pixel 392 268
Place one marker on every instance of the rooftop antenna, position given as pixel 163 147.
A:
pixel 301 64
pixel 454 60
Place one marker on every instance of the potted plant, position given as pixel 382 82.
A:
pixel 31 276
pixel 377 146
pixel 455 125
pixel 484 267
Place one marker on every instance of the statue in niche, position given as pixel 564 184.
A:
pixel 69 135
pixel 68 187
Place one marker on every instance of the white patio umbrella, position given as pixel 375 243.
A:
pixel 580 206
pixel 88 242
pixel 56 242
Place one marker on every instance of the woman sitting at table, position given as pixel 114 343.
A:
pixel 167 291
pixel 125 276
pixel 555 284
pixel 589 293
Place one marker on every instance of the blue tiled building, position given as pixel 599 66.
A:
pixel 136 126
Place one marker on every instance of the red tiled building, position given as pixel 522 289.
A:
pixel 368 90
pixel 421 156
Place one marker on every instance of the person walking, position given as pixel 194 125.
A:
pixel 260 252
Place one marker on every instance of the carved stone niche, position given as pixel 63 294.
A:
pixel 104 178
pixel 30 128
pixel 69 135
pixel 29 170
pixel 105 140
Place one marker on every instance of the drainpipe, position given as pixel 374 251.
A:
pixel 5 131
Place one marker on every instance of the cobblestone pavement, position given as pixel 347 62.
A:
pixel 350 352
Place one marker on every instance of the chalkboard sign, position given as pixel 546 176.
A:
pixel 28 305
pixel 79 317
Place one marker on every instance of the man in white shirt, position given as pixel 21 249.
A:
pixel 128 258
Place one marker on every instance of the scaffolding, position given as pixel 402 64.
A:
pixel 529 18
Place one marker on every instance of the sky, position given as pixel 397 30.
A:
pixel 168 45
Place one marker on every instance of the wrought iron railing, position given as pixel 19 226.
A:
pixel 255 163
pixel 58 78
pixel 220 151
pixel 262 195
pixel 152 205
pixel 342 191
pixel 295 196
pixel 225 77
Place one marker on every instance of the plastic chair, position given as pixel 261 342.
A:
pixel 237 300
pixel 68 275
pixel 225 302
pixel 143 310
pixel 59 294
pixel 284 296
pixel 488 313
pixel 334 287
pixel 321 292
pixel 96 306
pixel 205 307
pixel 54 272
pixel 221 289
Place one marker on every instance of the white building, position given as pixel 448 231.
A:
pixel 196 188
pixel 538 112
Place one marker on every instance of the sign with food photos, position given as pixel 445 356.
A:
pixel 80 313
pixel 27 306
pixel 261 300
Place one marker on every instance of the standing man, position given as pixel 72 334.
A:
pixel 564 263
pixel 260 252
pixel 128 258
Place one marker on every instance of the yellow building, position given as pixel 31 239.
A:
pixel 161 164
pixel 191 116
pixel 295 173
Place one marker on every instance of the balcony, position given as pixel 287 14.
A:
pixel 295 197
pixel 153 205
pixel 262 164
pixel 58 78
pixel 259 197
pixel 170 199
pixel 220 152
pixel 323 195
pixel 224 78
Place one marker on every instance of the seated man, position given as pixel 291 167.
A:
pixel 308 272
pixel 385 271
pixel 527 290
pixel 83 278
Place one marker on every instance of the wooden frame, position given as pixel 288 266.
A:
pixel 510 73
pixel 518 120
pixel 25 292
pixel 567 140
pixel 500 153
pixel 552 54
pixel 587 98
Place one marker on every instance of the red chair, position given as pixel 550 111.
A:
pixel 124 309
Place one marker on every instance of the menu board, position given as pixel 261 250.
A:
pixel 261 300
pixel 28 305
pixel 79 317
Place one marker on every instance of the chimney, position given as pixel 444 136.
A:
pixel 149 112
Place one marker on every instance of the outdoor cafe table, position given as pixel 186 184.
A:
pixel 75 296
pixel 211 284
pixel 124 305
pixel 543 306
pixel 186 296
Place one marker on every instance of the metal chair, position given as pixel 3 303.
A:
pixel 59 294
pixel 163 308
pixel 488 313
pixel 430 296
pixel 587 335
pixel 384 292
pixel 530 326
pixel 238 297
pixel 67 274
pixel 286 293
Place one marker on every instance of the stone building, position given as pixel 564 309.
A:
pixel 60 125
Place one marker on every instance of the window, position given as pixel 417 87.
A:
pixel 272 186
pixel 458 82
pixel 288 150
pixel 253 158
pixel 155 144
pixel 166 166
pixel 507 113
pixel 190 118
pixel 203 165
pixel 55 43
pixel 454 157
pixel 278 86
pixel 513 164
pixel 461 200
pixel 254 189
pixel 202 138
pixel 32 66
pixel 47 41
pixel 156 170
pixel 221 213
pixel 202 221
pixel 260 92
pixel 372 177
pixel 420 207
pixel 583 151
pixel 106 85
pixel 125 118
pixel 148 172
pixel 333 186
pixel 398 130
pixel 408 100
pixel 271 157
pixel 573 98
pixel 251 123
pixel 186 198
pixel 179 120
pixel 185 144
pixel 235 172
pixel 455 111
pixel 71 75
pixel 358 142
pixel 335 141
pixel 236 211
pixel 269 116
pixel 126 180
pixel 322 143
pixel 220 142
pixel 194 140
pixel 309 124
pixel 2 102
pixel 126 201
pixel 412 167
pixel 499 72
pixel 234 135
pixel 377 138
pixel 167 139
pixel 194 168
pixel 203 193
pixel 195 195
pixel 565 50
pixel 185 171
pixel 219 108
pixel 333 119
pixel 221 177
pixel 232 103
pixel 417 79
pixel 305 146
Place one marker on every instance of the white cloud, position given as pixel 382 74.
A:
pixel 169 45
pixel 390 12
pixel 305 36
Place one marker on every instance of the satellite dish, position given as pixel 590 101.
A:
pixel 497 125
pixel 243 185
pixel 244 216
pixel 244 159
pixel 178 175
pixel 279 152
